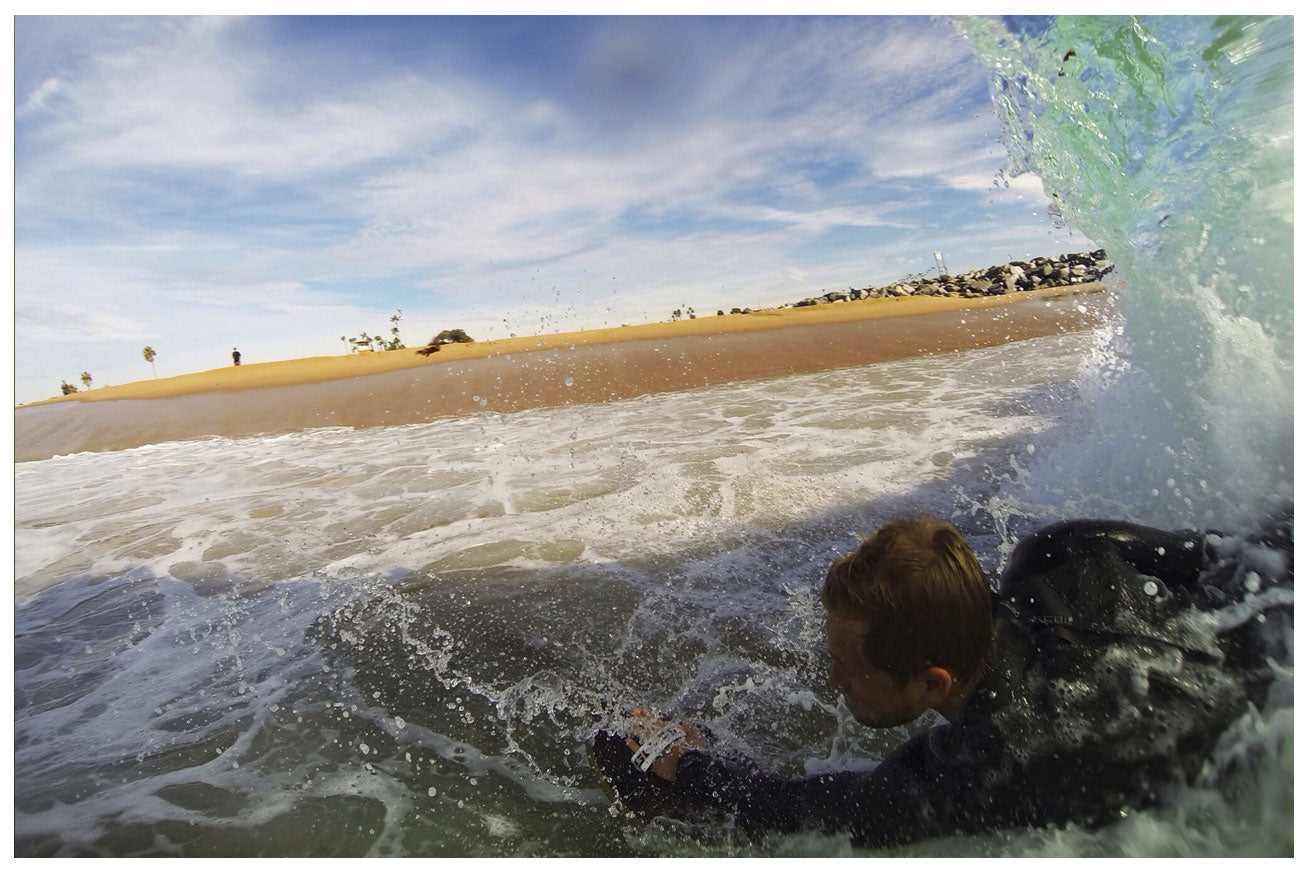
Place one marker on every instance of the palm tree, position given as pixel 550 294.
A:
pixel 149 355
pixel 395 341
pixel 86 378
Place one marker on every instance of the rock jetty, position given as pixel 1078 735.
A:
pixel 1071 269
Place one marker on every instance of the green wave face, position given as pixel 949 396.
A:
pixel 1170 142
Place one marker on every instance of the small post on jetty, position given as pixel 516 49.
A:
pixel 942 265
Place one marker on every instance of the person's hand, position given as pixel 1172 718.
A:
pixel 667 765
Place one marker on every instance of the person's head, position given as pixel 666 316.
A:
pixel 909 622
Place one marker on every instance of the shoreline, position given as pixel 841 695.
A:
pixel 301 371
pixel 502 376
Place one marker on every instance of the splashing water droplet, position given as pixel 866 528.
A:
pixel 568 380
pixel 1150 588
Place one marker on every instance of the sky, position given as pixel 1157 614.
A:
pixel 270 183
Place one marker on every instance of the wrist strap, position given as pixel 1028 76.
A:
pixel 656 746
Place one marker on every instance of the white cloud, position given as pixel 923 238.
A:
pixel 37 100
pixel 46 321
pixel 190 98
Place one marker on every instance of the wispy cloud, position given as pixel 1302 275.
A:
pixel 37 100
pixel 192 100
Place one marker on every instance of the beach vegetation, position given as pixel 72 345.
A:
pixel 395 342
pixel 676 315
pixel 375 342
pixel 364 341
pixel 452 335
pixel 149 354
pixel 68 388
pixel 86 378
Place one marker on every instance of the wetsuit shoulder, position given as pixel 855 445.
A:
pixel 1177 558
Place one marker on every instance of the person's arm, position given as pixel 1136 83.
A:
pixel 908 797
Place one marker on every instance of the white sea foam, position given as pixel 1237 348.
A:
pixel 661 474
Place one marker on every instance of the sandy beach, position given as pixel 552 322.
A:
pixel 373 389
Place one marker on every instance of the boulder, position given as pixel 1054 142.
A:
pixel 1041 271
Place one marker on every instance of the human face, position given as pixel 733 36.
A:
pixel 873 696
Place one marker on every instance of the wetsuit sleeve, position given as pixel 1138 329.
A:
pixel 901 800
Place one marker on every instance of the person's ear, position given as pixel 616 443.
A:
pixel 937 686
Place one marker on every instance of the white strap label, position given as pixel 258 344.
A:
pixel 656 746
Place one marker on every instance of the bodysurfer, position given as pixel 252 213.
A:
pixel 1092 679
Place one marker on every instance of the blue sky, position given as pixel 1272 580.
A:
pixel 275 183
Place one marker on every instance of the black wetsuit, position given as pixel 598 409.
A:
pixel 1108 681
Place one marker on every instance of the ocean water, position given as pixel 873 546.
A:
pixel 396 641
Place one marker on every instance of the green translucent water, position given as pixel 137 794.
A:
pixel 1170 142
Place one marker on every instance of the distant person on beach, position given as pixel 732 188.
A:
pixel 236 356
pixel 1083 687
